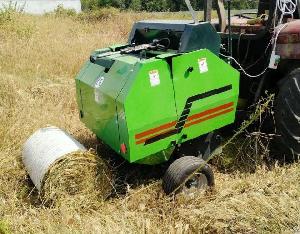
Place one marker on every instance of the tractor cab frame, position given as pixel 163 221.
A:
pixel 265 47
pixel 252 36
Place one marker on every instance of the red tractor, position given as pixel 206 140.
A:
pixel 265 47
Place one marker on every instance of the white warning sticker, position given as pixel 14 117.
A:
pixel 203 67
pixel 154 78
pixel 98 84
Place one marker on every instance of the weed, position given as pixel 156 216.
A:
pixel 60 11
pixel 99 14
pixel 4 228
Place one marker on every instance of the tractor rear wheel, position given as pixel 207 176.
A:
pixel 188 174
pixel 287 117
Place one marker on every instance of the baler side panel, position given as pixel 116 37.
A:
pixel 99 90
pixel 78 86
pixel 121 115
pixel 149 104
pixel 206 93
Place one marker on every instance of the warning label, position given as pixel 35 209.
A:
pixel 99 82
pixel 98 94
pixel 203 67
pixel 154 78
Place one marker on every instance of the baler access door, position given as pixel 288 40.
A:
pixel 206 93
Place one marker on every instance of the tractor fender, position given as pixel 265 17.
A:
pixel 288 42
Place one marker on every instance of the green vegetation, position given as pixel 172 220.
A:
pixel 4 228
pixel 158 5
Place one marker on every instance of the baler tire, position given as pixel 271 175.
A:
pixel 179 171
pixel 287 117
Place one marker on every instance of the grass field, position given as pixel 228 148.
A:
pixel 40 56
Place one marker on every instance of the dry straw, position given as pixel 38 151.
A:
pixel 78 173
pixel 266 201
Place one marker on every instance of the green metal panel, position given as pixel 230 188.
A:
pixel 185 36
pixel 157 158
pixel 201 36
pixel 149 121
pixel 206 93
pixel 147 105
pixel 97 92
pixel 150 105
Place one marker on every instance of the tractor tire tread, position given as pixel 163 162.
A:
pixel 287 116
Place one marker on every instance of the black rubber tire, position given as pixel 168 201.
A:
pixel 287 118
pixel 181 169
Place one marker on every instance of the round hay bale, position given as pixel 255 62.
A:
pixel 59 166
pixel 78 173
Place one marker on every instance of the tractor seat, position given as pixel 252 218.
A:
pixel 243 25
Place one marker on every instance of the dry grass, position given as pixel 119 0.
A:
pixel 39 59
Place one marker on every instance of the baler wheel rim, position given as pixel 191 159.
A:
pixel 176 178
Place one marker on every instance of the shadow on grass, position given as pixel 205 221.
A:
pixel 128 175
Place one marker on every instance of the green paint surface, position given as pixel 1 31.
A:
pixel 136 95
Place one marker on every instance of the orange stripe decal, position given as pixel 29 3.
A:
pixel 211 111
pixel 208 117
pixel 192 120
pixel 154 130
pixel 145 139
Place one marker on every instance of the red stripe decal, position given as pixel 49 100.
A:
pixel 208 117
pixel 154 130
pixel 142 141
pixel 211 111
